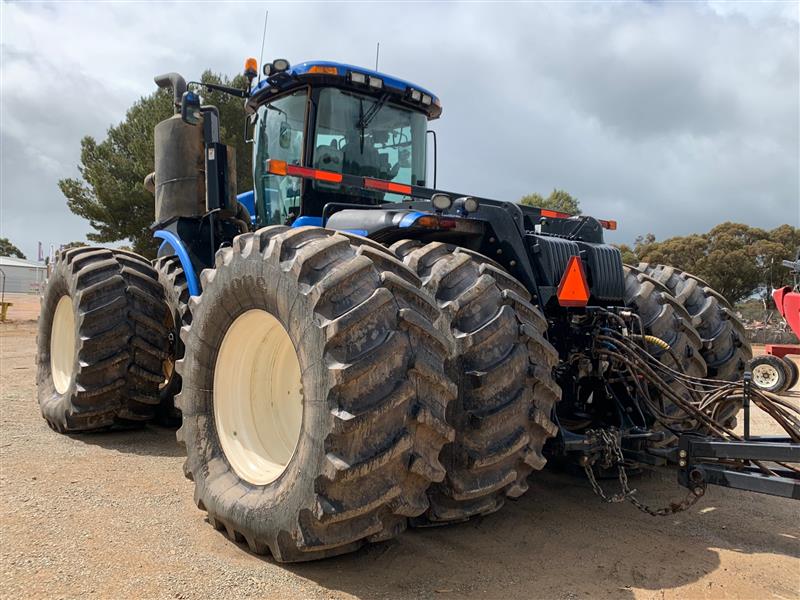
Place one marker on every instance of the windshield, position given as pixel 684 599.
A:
pixel 280 133
pixel 368 137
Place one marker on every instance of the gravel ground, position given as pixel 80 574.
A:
pixel 111 516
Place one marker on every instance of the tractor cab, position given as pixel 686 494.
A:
pixel 338 120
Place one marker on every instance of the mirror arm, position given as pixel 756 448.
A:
pixel 231 91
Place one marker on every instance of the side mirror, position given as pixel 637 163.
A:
pixel 190 108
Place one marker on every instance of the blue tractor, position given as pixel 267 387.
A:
pixel 350 349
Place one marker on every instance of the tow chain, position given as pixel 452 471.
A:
pixel 612 456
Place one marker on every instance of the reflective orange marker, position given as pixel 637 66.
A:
pixel 554 214
pixel 387 186
pixel 277 167
pixel 323 70
pixel 573 289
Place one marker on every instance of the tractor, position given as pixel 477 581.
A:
pixel 350 350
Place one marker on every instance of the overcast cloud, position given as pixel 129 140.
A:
pixel 670 117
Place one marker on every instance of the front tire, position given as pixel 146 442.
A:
pixel 101 341
pixel 371 383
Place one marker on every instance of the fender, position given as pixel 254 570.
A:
pixel 170 239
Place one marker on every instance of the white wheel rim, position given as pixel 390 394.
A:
pixel 765 376
pixel 258 398
pixel 62 344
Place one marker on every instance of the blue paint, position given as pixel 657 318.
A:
pixel 188 269
pixel 409 219
pixel 248 199
pixel 361 232
pixel 303 221
pixel 343 68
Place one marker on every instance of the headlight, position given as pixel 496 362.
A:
pixel 359 78
pixel 441 201
pixel 280 64
pixel 471 204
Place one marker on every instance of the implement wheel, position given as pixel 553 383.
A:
pixel 313 394
pixel 101 341
pixel 502 365
pixel 771 373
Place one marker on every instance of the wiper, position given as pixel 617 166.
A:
pixel 365 119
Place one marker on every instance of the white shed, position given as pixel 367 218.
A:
pixel 22 275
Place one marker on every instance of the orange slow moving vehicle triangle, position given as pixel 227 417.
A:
pixel 573 289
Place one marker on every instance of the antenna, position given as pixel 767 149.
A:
pixel 377 55
pixel 263 39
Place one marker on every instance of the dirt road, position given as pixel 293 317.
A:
pixel 111 516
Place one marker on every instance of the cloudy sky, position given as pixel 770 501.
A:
pixel 668 116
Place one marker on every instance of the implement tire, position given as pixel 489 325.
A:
pixel 300 330
pixel 176 292
pixel 771 373
pixel 101 341
pixel 502 365
pixel 725 347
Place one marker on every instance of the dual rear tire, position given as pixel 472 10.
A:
pixel 409 384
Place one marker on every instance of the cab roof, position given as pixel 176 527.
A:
pixel 323 72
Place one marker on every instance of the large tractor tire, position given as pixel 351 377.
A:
pixel 665 318
pixel 313 396
pixel 101 341
pixel 176 292
pixel 502 365
pixel 725 347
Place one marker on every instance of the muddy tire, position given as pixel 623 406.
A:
pixel 101 341
pixel 176 292
pixel 665 318
pixel 725 347
pixel 502 366
pixel 363 362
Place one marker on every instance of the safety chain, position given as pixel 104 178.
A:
pixel 611 456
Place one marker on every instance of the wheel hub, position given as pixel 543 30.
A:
pixel 62 344
pixel 765 376
pixel 258 398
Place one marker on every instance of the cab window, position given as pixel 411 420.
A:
pixel 280 128
pixel 367 136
